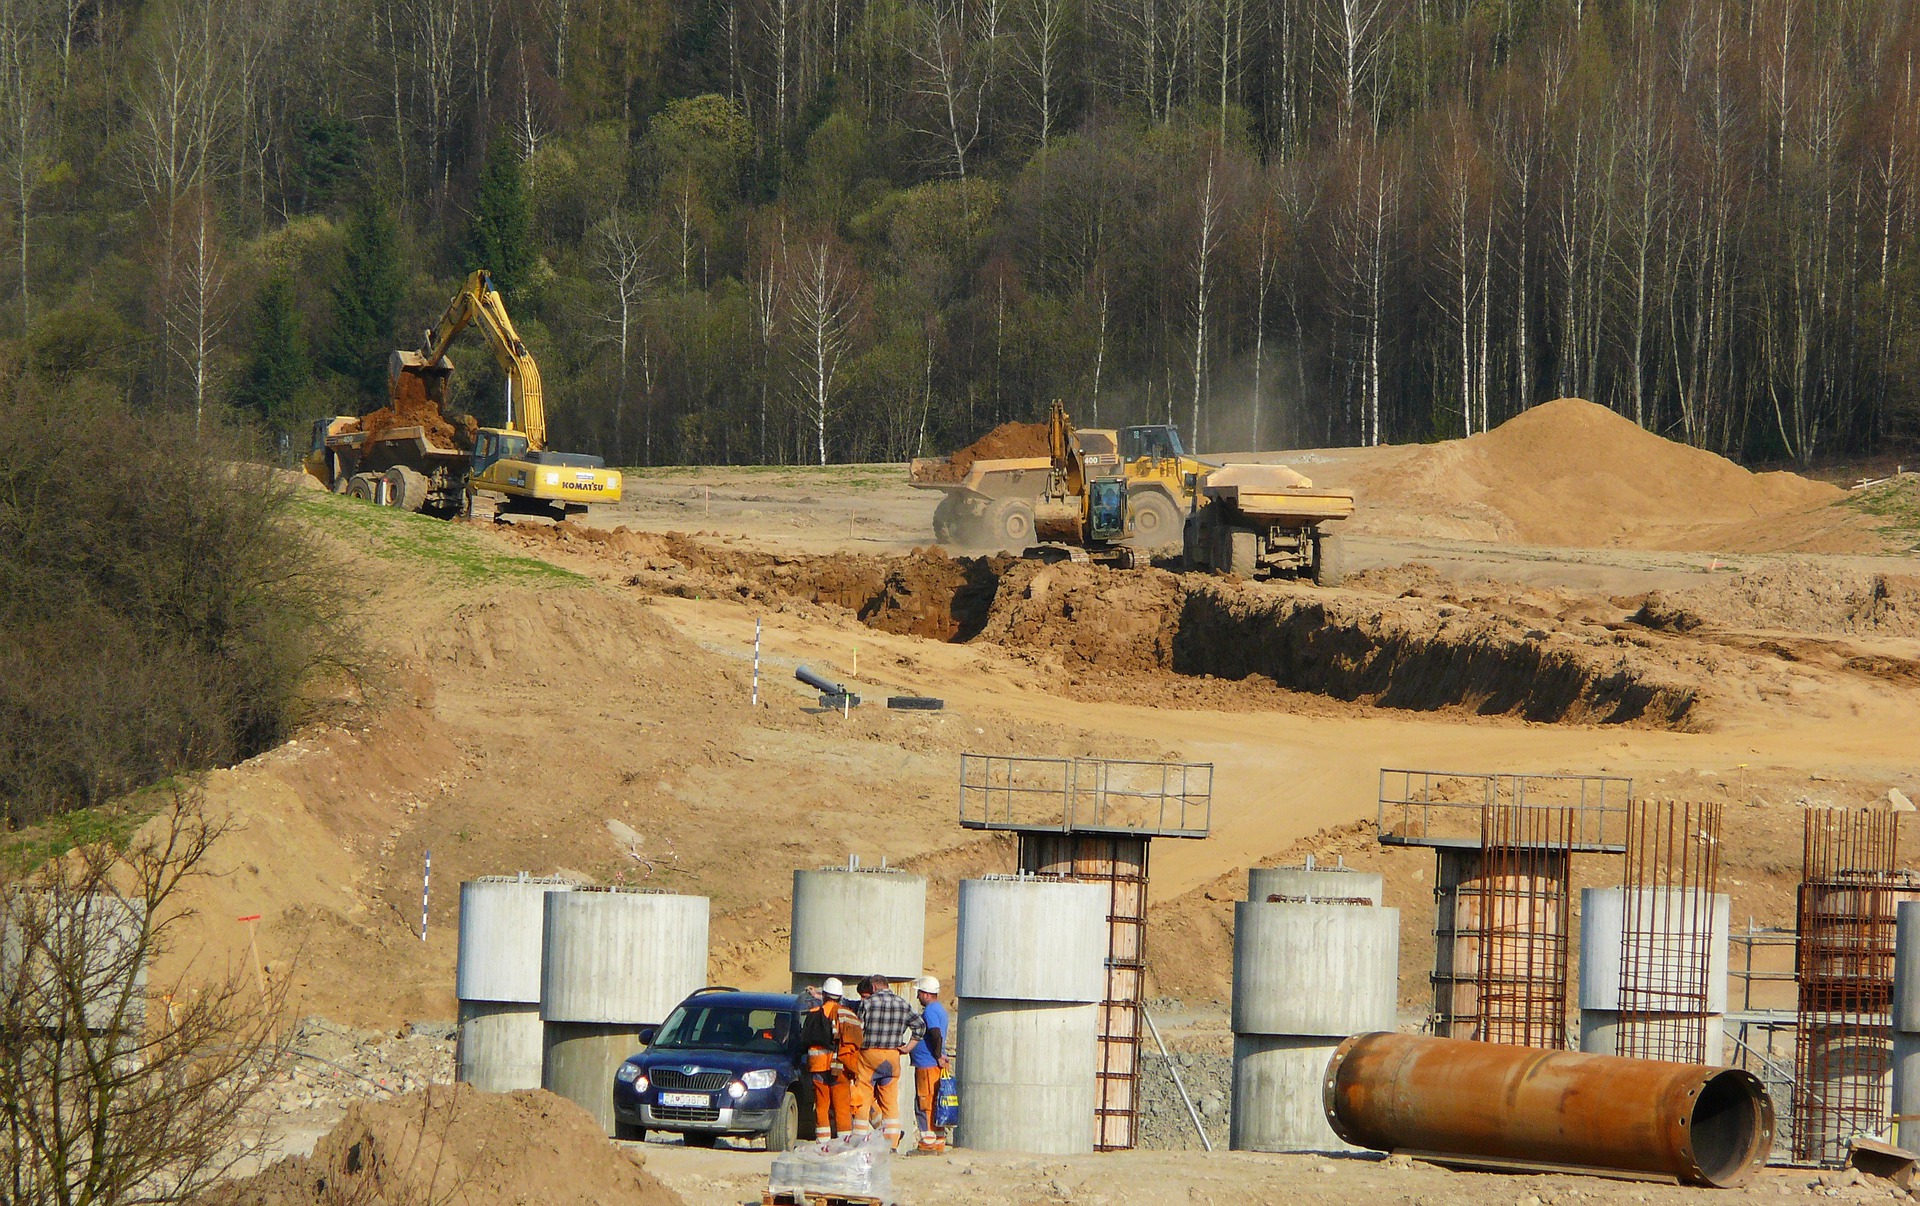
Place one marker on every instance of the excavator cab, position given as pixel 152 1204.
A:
pixel 1107 508
pixel 493 445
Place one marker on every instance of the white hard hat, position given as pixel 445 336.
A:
pixel 832 987
pixel 928 984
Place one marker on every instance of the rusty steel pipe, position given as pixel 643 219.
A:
pixel 1493 1106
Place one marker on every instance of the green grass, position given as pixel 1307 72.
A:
pixel 440 547
pixel 1897 502
pixel 847 477
pixel 26 850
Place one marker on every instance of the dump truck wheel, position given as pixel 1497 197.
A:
pixel 1010 523
pixel 341 478
pixel 947 518
pixel 1156 521
pixel 1329 559
pixel 362 486
pixel 1243 552
pixel 406 488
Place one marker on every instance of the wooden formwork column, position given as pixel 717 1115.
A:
pixel 1121 863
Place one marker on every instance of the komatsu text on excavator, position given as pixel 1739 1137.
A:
pixel 416 456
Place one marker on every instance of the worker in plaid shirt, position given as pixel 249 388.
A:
pixel 892 1027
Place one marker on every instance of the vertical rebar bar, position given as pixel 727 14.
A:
pixel 1525 856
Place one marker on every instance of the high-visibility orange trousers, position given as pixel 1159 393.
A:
pixel 832 1104
pixel 926 1085
pixel 877 1090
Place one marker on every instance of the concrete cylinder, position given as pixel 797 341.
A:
pixel 854 923
pixel 1030 977
pixel 1667 963
pixel 1315 884
pixel 613 960
pixel 1305 977
pixel 497 981
pixel 1906 1021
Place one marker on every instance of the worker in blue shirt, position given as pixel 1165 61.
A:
pixel 930 1059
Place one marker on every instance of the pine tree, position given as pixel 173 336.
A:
pixel 366 301
pixel 278 366
pixel 499 240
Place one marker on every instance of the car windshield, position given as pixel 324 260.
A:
pixel 725 1028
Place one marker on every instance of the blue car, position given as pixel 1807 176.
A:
pixel 723 1063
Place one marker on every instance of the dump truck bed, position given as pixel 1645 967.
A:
pixel 1275 494
pixel 396 440
pixel 936 473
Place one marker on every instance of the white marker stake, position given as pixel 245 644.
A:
pixel 756 663
pixel 426 883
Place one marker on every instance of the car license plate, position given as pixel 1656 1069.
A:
pixel 685 1099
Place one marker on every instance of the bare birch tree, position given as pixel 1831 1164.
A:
pixel 26 118
pixel 822 308
pixel 623 255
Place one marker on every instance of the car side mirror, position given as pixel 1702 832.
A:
pixel 648 1034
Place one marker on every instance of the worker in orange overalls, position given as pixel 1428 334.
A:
pixel 832 1083
pixel 850 1037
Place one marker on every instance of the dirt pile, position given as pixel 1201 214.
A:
pixel 412 408
pixel 1570 472
pixel 453 1145
pixel 1005 442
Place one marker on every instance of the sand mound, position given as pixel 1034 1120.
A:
pixel 453 1145
pixel 1007 441
pixel 1573 473
pixel 412 408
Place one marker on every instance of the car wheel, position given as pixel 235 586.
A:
pixel 786 1125
pixel 699 1138
pixel 632 1132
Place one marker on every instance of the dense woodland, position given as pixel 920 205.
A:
pixel 807 230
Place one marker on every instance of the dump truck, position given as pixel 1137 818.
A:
pixel 419 458
pixel 1261 520
pixel 1013 502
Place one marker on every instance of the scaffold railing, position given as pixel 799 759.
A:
pixel 1086 795
pixel 1444 808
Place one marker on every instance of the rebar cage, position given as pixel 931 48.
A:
pixel 1667 929
pixel 1524 910
pixel 1844 961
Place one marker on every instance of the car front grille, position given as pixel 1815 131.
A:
pixel 675 1081
pixel 685 1114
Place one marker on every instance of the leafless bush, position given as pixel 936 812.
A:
pixel 162 613
pixel 104 1100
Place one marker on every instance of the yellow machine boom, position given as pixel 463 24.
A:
pixel 478 301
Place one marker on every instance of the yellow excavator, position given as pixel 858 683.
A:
pixel 401 456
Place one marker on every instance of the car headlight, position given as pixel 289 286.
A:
pixel 761 1079
pixel 629 1074
pixel 736 1090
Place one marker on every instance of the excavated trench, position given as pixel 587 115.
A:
pixel 1388 652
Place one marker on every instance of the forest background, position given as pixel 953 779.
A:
pixel 819 230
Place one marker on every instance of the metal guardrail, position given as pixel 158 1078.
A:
pixel 1443 808
pixel 1086 795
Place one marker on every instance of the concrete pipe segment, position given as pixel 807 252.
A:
pixel 1305 977
pixel 1030 978
pixel 1486 1105
pixel 1906 1021
pixel 1666 961
pixel 497 981
pixel 852 923
pixel 613 960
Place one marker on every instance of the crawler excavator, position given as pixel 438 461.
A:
pixel 406 463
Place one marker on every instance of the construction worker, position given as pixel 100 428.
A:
pixel 891 1027
pixel 827 1077
pixel 852 1100
pixel 929 1059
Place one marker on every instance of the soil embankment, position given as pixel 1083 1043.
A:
pixel 452 1145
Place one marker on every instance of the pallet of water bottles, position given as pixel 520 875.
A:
pixel 856 1169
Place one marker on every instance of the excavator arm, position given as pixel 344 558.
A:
pixel 479 302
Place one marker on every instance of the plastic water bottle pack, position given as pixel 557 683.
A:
pixel 852 1166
